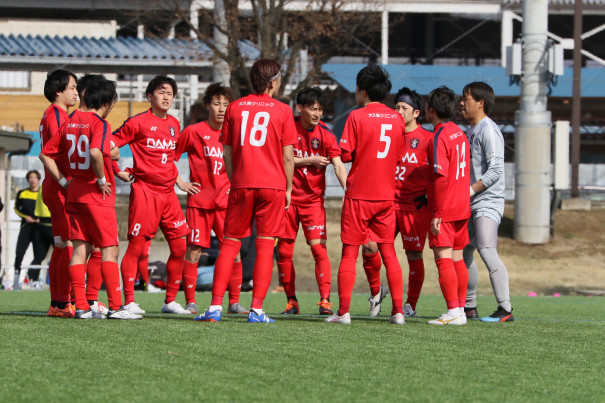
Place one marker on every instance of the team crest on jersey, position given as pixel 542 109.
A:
pixel 414 143
pixel 315 143
pixel 171 131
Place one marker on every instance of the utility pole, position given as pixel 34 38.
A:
pixel 576 105
pixel 532 135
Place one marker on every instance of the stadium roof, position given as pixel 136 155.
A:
pixel 109 55
pixel 424 78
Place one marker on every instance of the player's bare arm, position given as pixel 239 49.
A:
pixel 288 153
pixel 317 161
pixel 477 187
pixel 97 164
pixel 189 187
pixel 51 166
pixel 114 154
pixel 340 170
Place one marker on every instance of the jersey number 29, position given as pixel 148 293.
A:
pixel 83 147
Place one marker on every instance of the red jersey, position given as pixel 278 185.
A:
pixel 309 182
pixel 257 127
pixel 413 174
pixel 450 158
pixel 374 136
pixel 50 124
pixel 82 132
pixel 206 165
pixel 153 142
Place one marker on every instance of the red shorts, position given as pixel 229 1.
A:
pixel 58 216
pixel 148 210
pixel 413 226
pixel 365 219
pixel 201 222
pixel 454 234
pixel 96 225
pixel 266 206
pixel 313 220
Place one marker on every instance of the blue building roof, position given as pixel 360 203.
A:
pixel 102 54
pixel 424 79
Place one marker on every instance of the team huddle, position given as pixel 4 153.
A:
pixel 253 162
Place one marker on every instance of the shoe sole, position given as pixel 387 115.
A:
pixel 508 318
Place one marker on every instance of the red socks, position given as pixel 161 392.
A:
pixel 346 277
pixel 263 268
pixel 174 267
pixel 287 276
pixel 448 282
pixel 111 277
pixel 189 281
pixel 371 265
pixel 394 275
pixel 462 275
pixel 235 283
pixel 223 269
pixel 323 270
pixel 77 273
pixel 143 262
pixel 415 279
pixel 94 278
pixel 129 267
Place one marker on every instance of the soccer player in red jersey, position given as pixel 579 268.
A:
pixel 317 147
pixel 60 90
pixel 373 140
pixel 258 134
pixel 449 196
pixel 86 139
pixel 152 136
pixel 206 209
pixel 413 176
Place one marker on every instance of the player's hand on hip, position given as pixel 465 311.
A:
pixel 436 226
pixel 105 189
pixel 190 187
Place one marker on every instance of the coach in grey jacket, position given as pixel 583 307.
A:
pixel 487 200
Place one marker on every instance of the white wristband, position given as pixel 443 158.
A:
pixel 472 191
pixel 63 181
pixel 101 181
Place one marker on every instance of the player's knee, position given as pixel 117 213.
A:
pixel 193 254
pixel 178 248
pixel 110 254
pixel 350 251
pixel 319 251
pixel 369 248
pixel 285 251
pixel 413 255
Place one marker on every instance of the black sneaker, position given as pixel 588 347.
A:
pixel 291 308
pixel 501 315
pixel 471 313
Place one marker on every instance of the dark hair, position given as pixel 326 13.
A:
pixel 261 73
pixel 217 90
pixel 158 81
pixel 86 81
pixel 32 172
pixel 57 81
pixel 308 96
pixel 444 101
pixel 481 91
pixel 374 80
pixel 417 102
pixel 100 93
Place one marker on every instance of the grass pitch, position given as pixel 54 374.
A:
pixel 554 351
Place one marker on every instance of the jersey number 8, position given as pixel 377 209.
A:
pixel 257 126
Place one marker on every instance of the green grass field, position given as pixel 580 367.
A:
pixel 555 351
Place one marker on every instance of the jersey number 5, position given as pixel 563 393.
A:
pixel 384 139
pixel 257 126
pixel 83 147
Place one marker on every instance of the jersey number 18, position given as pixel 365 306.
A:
pixel 257 126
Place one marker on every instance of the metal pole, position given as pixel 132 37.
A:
pixel 576 105
pixel 532 135
pixel 385 37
